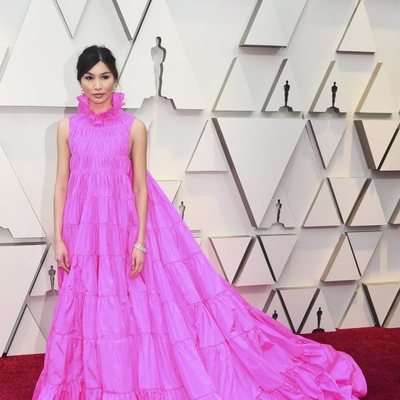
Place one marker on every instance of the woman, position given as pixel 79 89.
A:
pixel 141 312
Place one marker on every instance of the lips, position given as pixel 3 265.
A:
pixel 98 94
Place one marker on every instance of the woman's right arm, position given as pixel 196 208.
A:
pixel 60 191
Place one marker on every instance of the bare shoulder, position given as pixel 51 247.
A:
pixel 138 129
pixel 63 127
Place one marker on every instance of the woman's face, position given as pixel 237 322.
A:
pixel 98 83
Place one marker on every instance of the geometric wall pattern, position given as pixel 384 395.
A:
pixel 300 208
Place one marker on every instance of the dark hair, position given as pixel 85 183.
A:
pixel 91 56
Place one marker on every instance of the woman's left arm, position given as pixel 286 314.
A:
pixel 139 164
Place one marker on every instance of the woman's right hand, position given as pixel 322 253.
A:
pixel 61 255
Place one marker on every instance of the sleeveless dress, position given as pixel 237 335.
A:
pixel 178 330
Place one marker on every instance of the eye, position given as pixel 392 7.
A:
pixel 88 78
pixel 106 76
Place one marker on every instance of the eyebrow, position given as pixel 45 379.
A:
pixel 103 73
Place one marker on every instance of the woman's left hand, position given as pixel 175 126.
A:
pixel 137 261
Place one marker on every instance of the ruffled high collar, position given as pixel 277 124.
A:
pixel 117 102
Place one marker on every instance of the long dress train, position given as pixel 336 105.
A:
pixel 178 331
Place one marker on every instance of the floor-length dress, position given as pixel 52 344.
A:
pixel 178 331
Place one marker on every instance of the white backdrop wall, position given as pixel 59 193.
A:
pixel 219 143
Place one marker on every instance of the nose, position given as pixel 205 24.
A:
pixel 97 84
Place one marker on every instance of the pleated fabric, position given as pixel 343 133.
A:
pixel 178 330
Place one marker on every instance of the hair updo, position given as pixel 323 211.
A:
pixel 91 56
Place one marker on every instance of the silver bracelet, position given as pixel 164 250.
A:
pixel 140 247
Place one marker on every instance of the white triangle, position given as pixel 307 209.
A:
pixel 364 245
pixel 235 94
pixel 370 210
pixel 358 314
pixel 327 323
pixel 178 81
pixel 230 251
pixel 208 155
pixel 378 134
pixel 24 223
pixel 170 188
pixel 15 282
pixel 346 191
pixel 393 320
pixel 395 217
pixel 28 338
pixel 323 97
pixel 209 251
pixel 72 11
pixel 392 160
pixel 289 12
pixel 132 13
pixel 42 309
pixel 343 291
pixel 377 96
pixel 42 27
pixel 286 213
pixel 273 305
pixel 265 29
pixel 3 52
pixel 297 301
pixel 327 134
pixel 269 146
pixel 255 295
pixel 255 271
pixel 382 296
pixel 323 210
pixel 43 280
pixel 276 94
pixel 358 37
pixel 278 249
pixel 341 266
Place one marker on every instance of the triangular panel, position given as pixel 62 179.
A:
pixel 208 155
pixel 24 223
pixel 178 81
pixel 264 28
pixel 358 313
pixel 269 146
pixel 381 297
pixel 323 98
pixel 375 138
pixel 327 134
pixel 131 14
pixel 71 11
pixel 369 211
pixel 323 210
pixel 278 249
pixel 169 187
pixel 392 159
pixel 377 96
pixel 255 270
pixel 275 309
pixel 28 339
pixel 230 251
pixel 235 94
pixel 15 281
pixel 276 98
pixel 363 245
pixel 358 37
pixel 298 301
pixel 319 317
pixel 346 191
pixel 341 265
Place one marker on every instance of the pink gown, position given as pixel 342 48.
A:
pixel 178 331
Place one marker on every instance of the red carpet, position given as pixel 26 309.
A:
pixel 376 350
